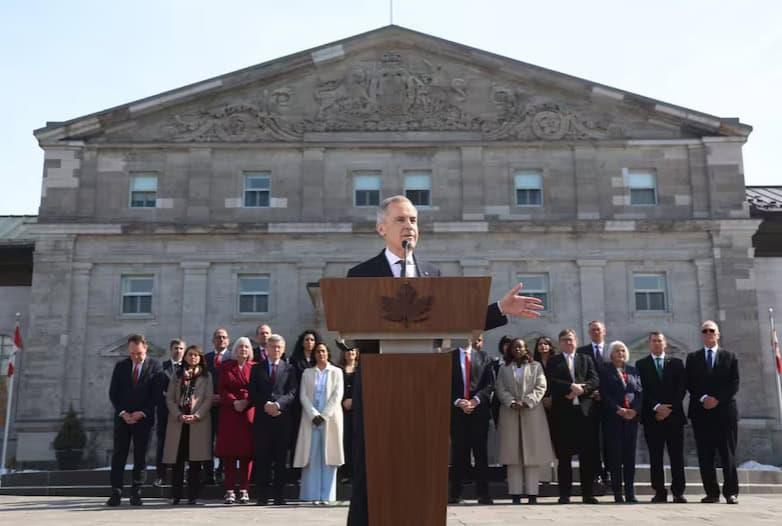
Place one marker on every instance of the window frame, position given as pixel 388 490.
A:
pixel 126 278
pixel 649 292
pixel 417 173
pixel 131 189
pixel 356 174
pixel 629 173
pixel 246 176
pixel 516 188
pixel 240 293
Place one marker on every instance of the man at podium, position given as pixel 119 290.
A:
pixel 397 224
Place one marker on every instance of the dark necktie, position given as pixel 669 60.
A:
pixel 273 375
pixel 467 379
pixel 136 373
pixel 658 363
pixel 709 359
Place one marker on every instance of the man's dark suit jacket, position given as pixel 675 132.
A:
pixel 283 391
pixel 378 267
pixel 558 375
pixel 589 350
pixel 669 389
pixel 140 397
pixel 213 372
pixel 722 383
pixel 481 381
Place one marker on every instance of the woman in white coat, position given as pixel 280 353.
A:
pixel 525 444
pixel 319 444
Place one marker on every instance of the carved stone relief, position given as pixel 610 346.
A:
pixel 389 94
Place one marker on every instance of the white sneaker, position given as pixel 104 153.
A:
pixel 244 497
pixel 230 497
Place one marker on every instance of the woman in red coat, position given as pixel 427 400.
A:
pixel 235 425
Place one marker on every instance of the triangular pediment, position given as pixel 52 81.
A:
pixel 392 80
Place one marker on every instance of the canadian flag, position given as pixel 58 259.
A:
pixel 775 348
pixel 17 348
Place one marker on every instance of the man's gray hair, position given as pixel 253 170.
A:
pixel 382 209
pixel 275 338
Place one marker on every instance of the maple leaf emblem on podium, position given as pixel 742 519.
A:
pixel 406 307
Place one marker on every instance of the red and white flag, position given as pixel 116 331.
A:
pixel 17 348
pixel 775 348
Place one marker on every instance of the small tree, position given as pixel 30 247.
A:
pixel 71 434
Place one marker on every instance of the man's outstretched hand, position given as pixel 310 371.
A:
pixel 520 306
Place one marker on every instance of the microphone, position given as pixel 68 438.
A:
pixel 406 247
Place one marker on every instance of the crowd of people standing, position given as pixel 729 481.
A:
pixel 260 411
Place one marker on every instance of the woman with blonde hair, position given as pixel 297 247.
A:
pixel 319 445
pixel 189 426
pixel 525 443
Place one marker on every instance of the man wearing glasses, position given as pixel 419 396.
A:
pixel 713 381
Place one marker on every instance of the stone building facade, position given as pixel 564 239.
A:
pixel 217 203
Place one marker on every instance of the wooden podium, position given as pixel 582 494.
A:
pixel 406 389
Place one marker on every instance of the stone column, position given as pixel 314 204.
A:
pixel 699 181
pixel 472 183
pixel 194 300
pixel 591 277
pixel 707 288
pixel 312 168
pixel 74 388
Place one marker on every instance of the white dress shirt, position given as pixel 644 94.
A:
pixel 396 269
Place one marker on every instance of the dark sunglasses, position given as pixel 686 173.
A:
pixel 708 331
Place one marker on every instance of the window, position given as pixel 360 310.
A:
pixel 643 187
pixel 257 189
pixel 137 294
pixel 418 188
pixel 143 191
pixel 529 188
pixel 535 285
pixel 366 188
pixel 253 294
pixel 649 292
pixel 6 347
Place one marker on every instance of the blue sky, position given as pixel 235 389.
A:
pixel 64 59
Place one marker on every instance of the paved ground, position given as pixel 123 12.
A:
pixel 28 511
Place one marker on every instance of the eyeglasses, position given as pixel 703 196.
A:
pixel 708 330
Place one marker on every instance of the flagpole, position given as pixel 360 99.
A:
pixel 776 373
pixel 10 402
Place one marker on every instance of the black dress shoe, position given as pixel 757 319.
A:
pixel 564 500
pixel 533 499
pixel 135 500
pixel 732 499
pixel 515 499
pixel 175 501
pixel 618 499
pixel 631 499
pixel 486 501
pixel 115 499
pixel 590 500
pixel 710 500
pixel 659 499
pixel 262 502
pixel 455 500
pixel 680 499
pixel 279 501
